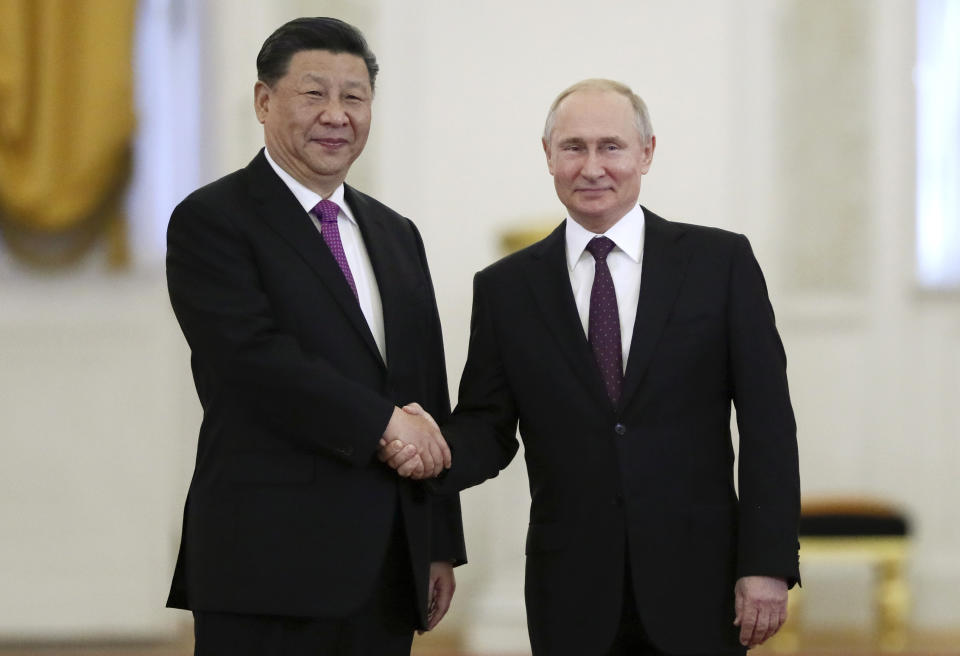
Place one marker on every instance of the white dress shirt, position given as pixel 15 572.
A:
pixel 624 261
pixel 353 247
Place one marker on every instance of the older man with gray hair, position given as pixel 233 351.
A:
pixel 619 343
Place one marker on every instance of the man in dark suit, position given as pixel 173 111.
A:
pixel 310 313
pixel 618 343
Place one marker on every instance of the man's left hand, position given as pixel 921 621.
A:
pixel 442 585
pixel 761 605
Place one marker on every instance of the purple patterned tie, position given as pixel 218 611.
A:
pixel 327 210
pixel 603 327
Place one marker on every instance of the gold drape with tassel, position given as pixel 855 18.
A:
pixel 66 125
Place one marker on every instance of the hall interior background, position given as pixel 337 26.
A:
pixel 792 121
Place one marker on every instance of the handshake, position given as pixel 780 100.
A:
pixel 413 445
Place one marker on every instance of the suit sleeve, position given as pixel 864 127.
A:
pixel 769 479
pixel 446 537
pixel 482 432
pixel 228 321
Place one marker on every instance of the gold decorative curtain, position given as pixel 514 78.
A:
pixel 66 123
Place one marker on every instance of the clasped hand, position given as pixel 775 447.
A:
pixel 413 445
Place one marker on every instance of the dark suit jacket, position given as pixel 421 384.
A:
pixel 289 512
pixel 653 477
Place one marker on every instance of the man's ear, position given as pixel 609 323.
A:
pixel 546 151
pixel 261 100
pixel 648 154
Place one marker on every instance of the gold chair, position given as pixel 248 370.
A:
pixel 856 530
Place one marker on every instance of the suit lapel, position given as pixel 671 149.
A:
pixel 663 269
pixel 550 282
pixel 383 257
pixel 278 208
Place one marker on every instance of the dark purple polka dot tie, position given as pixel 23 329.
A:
pixel 603 327
pixel 327 210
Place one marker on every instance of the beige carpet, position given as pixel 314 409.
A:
pixel 834 644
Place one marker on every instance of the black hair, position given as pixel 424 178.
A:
pixel 322 33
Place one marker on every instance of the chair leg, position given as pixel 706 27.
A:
pixel 892 599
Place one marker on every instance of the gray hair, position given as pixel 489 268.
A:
pixel 641 117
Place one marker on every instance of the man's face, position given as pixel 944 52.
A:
pixel 316 118
pixel 596 157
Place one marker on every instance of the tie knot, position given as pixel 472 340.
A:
pixel 327 210
pixel 600 247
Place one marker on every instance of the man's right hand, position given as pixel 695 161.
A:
pixel 413 445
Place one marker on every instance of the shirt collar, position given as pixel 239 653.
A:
pixel 627 234
pixel 308 198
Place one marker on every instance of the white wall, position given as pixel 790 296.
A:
pixel 758 131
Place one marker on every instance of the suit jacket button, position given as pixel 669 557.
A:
pixel 620 429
